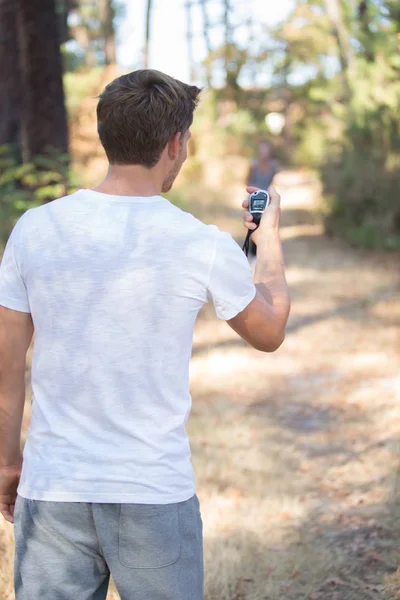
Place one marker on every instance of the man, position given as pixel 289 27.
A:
pixel 111 280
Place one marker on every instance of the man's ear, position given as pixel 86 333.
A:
pixel 174 145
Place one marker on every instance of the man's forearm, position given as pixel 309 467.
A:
pixel 12 399
pixel 269 276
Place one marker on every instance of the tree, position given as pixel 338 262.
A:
pixel 335 14
pixel 43 114
pixel 87 31
pixel 207 41
pixel 147 41
pixel 94 31
pixel 189 37
pixel 107 14
pixel 64 9
pixel 9 74
pixel 228 41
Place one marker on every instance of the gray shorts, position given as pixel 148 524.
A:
pixel 67 550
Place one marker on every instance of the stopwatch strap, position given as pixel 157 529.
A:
pixel 246 244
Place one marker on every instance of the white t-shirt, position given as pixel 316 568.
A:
pixel 114 285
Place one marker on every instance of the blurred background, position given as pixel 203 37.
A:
pixel 296 453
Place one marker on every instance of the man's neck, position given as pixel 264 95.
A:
pixel 130 180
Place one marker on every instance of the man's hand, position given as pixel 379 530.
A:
pixel 9 480
pixel 269 220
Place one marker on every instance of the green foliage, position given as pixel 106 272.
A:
pixel 222 128
pixel 241 122
pixel 311 148
pixel 363 179
pixel 25 186
pixel 362 201
pixel 344 120
pixel 78 86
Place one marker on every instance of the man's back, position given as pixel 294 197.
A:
pixel 114 285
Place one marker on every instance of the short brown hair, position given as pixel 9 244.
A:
pixel 139 112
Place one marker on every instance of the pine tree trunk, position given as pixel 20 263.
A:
pixel 109 36
pixel 147 42
pixel 207 41
pixel 189 37
pixel 43 114
pixel 10 92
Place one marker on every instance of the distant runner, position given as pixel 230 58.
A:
pixel 261 174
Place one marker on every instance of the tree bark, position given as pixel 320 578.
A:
pixel 147 40
pixel 43 114
pixel 10 89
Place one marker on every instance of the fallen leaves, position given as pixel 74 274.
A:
pixel 295 574
pixel 375 557
pixel 392 585
pixel 334 581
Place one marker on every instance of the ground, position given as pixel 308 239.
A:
pixel 296 453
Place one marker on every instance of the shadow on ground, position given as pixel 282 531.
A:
pixel 327 472
pixel 329 557
pixel 350 309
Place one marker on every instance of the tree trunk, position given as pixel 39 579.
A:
pixel 10 92
pixel 206 36
pixel 107 14
pixel 366 32
pixel 147 42
pixel 189 37
pixel 334 11
pixel 227 34
pixel 43 114
pixel 65 7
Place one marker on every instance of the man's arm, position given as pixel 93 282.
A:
pixel 16 331
pixel 262 323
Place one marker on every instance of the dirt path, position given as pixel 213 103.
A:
pixel 296 453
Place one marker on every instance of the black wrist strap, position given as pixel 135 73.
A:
pixel 246 245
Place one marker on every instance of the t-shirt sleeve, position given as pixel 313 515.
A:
pixel 230 286
pixel 13 293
